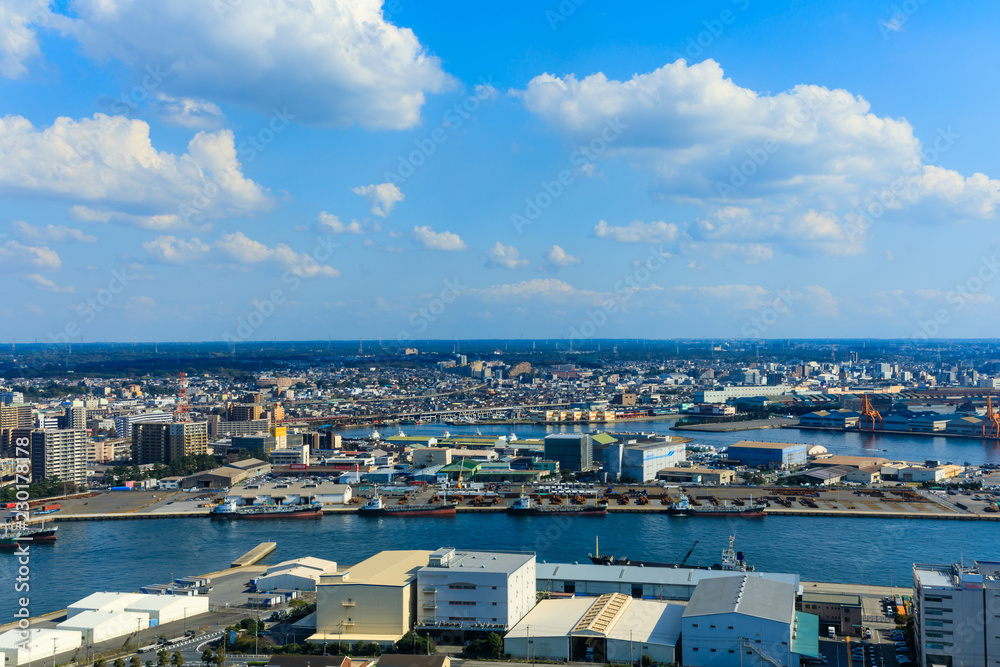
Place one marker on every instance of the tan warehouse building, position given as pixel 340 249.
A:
pixel 373 601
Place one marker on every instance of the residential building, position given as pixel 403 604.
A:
pixel 16 416
pixel 956 614
pixel 75 417
pixel 162 443
pixel 61 453
pixel 124 423
pixel 475 589
pixel 244 412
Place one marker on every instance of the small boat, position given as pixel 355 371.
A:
pixel 10 538
pixel 230 510
pixel 523 506
pixel 683 507
pixel 377 507
pixel 732 561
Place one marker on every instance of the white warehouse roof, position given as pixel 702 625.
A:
pixel 750 596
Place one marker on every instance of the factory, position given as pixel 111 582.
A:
pixel 301 574
pixel 778 455
pixel 642 459
pixel 292 493
pixel 651 583
pixel 612 628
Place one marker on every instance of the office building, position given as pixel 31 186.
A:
pixel 573 451
pixel 59 453
pixel 956 614
pixel 780 455
pixel 475 589
pixel 736 620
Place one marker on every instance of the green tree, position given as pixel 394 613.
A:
pixel 177 659
pixel 100 662
pixel 161 657
pixel 208 657
pixel 646 661
pixel 134 661
pixel 117 663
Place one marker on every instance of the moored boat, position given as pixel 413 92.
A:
pixel 377 507
pixel 732 561
pixel 230 510
pixel 10 539
pixel 683 507
pixel 523 506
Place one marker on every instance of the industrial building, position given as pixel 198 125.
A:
pixel 226 476
pixel 475 589
pixel 641 460
pixel 955 614
pixel 158 609
pixel 99 626
pixel 707 476
pixel 374 601
pixel 39 644
pixel 651 583
pixel 291 493
pixel 728 392
pixel 612 628
pixel 300 574
pixel 741 619
pixel 841 611
pixel 780 455
pixel 573 451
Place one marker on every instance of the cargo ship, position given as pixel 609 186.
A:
pixel 732 560
pixel 523 506
pixel 377 507
pixel 230 510
pixel 10 539
pixel 683 507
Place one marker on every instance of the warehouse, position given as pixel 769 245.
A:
pixel 99 626
pixel 641 460
pixel 170 608
pixel 780 455
pixel 40 644
pixel 612 628
pixel 102 602
pixel 707 476
pixel 301 574
pixel 651 583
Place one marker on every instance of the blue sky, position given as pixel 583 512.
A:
pixel 296 170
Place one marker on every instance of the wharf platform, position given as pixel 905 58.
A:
pixel 256 554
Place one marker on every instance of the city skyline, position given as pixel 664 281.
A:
pixel 402 171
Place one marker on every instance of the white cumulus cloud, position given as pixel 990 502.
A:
pixel 20 21
pixel 799 164
pixel 504 257
pixel 557 258
pixel 333 62
pixel 43 283
pixel 173 250
pixel 187 112
pixel 53 233
pixel 432 240
pixel 239 248
pixel 15 254
pixel 382 197
pixel 107 166
pixel 331 223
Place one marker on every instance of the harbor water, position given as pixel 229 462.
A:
pixel 124 555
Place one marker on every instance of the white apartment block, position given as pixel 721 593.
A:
pixel 475 589
pixel 957 614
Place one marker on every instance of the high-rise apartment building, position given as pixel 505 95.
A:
pixel 61 453
pixel 15 416
pixel 162 443
pixel 242 412
pixel 125 423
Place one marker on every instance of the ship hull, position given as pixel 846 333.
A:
pixel 449 510
pixel 41 537
pixel 748 513
pixel 597 560
pixel 297 514
pixel 559 511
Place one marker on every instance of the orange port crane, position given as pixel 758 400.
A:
pixel 991 421
pixel 869 415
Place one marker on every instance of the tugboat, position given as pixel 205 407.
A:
pixel 230 510
pixel 523 506
pixel 377 507
pixel 683 507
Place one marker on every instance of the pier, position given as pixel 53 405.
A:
pixel 256 554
